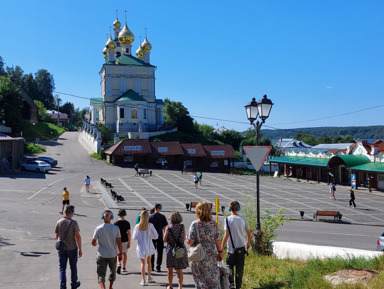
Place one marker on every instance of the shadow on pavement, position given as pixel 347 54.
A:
pixel 4 242
pixel 33 254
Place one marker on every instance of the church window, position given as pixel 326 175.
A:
pixel 145 113
pixel 127 50
pixel 122 112
pixel 118 54
pixel 134 113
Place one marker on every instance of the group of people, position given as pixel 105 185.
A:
pixel 151 232
pixel 332 190
pixel 197 179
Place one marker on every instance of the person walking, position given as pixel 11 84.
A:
pixel 175 235
pixel 125 232
pixel 137 169
pixel 204 230
pixel 196 180
pixel 236 228
pixel 87 182
pixel 65 199
pixel 159 221
pixel 200 176
pixel 184 169
pixel 109 239
pixel 352 199
pixel 68 232
pixel 332 189
pixel 144 233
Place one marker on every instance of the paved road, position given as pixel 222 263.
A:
pixel 30 202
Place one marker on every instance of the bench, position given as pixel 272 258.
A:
pixel 145 172
pixel 194 204
pixel 235 172
pixel 335 214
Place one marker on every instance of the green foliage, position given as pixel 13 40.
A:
pixel 10 104
pixel 69 109
pixel 41 130
pixel 307 138
pixel 2 70
pixel 206 130
pixel 33 149
pixel 231 137
pixel 96 156
pixel 106 133
pixel 176 114
pixel 183 137
pixel 42 110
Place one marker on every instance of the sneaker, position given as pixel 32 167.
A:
pixel 125 270
pixel 142 283
pixel 118 269
pixel 150 280
pixel 77 285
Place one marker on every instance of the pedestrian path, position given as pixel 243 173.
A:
pixel 174 190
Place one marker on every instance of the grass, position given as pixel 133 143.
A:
pixel 268 272
pixel 33 149
pixel 41 130
pixel 96 156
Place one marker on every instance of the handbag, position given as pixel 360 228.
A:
pixel 224 281
pixel 197 252
pixel 178 248
pixel 60 244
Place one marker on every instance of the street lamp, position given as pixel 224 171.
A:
pixel 260 109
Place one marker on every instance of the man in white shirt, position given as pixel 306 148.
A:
pixel 236 228
pixel 109 238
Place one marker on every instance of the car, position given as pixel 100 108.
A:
pixel 380 243
pixel 51 161
pixel 36 166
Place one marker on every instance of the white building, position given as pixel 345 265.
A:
pixel 128 103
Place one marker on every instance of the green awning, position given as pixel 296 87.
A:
pixel 370 167
pixel 349 160
pixel 307 161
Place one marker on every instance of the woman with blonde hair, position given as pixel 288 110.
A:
pixel 175 235
pixel 205 231
pixel 144 232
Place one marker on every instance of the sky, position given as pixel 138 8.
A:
pixel 321 62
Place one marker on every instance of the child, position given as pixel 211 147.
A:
pixel 144 233
pixel 196 180
pixel 173 234
pixel 200 177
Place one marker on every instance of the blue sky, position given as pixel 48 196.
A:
pixel 314 59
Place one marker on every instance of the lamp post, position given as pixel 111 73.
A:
pixel 260 109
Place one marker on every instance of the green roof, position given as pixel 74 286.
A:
pixel 317 162
pixel 96 100
pixel 130 95
pixel 353 160
pixel 129 60
pixel 370 167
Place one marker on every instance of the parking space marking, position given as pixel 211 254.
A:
pixel 35 194
pixel 134 192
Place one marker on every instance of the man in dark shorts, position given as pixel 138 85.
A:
pixel 159 221
pixel 125 231
pixel 65 199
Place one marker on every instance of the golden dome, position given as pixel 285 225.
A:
pixel 139 53
pixel 146 46
pixel 110 45
pixel 105 51
pixel 126 37
pixel 116 23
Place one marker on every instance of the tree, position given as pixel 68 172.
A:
pixel 307 138
pixel 2 70
pixel 46 86
pixel 231 137
pixel 10 103
pixel 176 114
pixel 17 71
pixel 324 140
pixel 106 133
pixel 42 110
pixel 206 130
pixel 68 108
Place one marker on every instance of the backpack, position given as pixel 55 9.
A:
pixel 334 188
pixel 178 247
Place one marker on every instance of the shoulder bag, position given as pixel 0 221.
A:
pixel 178 247
pixel 197 252
pixel 60 243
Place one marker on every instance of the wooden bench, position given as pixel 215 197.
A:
pixel 145 172
pixel 335 214
pixel 235 172
pixel 194 204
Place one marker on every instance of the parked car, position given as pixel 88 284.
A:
pixel 380 243
pixel 36 166
pixel 51 161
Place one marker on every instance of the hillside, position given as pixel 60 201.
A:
pixel 361 132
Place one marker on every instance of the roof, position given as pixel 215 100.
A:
pixel 286 143
pixel 308 161
pixel 126 59
pixel 159 102
pixel 57 115
pixel 130 95
pixel 96 100
pixel 130 147
pixel 333 146
pixel 167 148
pixel 220 151
pixel 349 160
pixel 193 150
pixel 371 167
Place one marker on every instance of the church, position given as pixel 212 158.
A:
pixel 128 104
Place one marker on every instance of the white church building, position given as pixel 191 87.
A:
pixel 128 103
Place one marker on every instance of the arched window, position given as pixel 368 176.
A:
pixel 134 113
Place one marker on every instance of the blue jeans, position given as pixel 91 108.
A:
pixel 64 256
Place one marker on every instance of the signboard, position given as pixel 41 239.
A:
pixel 353 180
pixel 133 148
pixel 257 155
pixel 218 153
pixel 162 149
pixel 191 151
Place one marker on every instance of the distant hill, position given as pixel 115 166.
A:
pixel 360 132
